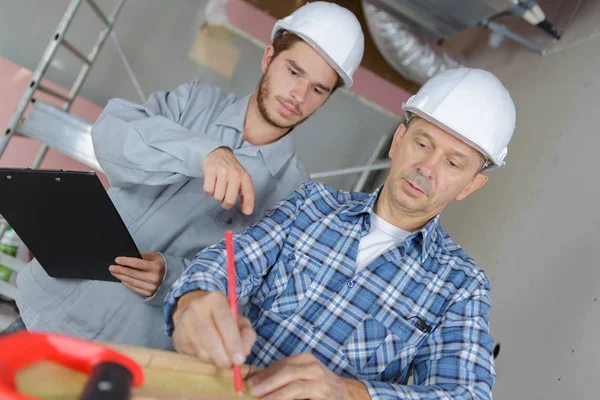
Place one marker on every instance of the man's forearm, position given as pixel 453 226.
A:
pixel 455 391
pixel 356 390
pixel 184 302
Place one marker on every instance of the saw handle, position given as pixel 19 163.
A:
pixel 21 350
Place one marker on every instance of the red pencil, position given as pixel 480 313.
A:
pixel 237 372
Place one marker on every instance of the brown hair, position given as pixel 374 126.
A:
pixel 285 41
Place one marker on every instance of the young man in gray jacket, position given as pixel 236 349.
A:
pixel 178 163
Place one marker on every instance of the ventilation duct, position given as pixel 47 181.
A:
pixel 408 52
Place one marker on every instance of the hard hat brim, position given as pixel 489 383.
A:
pixel 281 27
pixel 494 163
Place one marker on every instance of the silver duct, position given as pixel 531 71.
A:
pixel 410 54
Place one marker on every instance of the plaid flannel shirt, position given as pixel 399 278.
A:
pixel 419 309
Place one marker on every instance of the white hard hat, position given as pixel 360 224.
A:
pixel 331 30
pixel 471 104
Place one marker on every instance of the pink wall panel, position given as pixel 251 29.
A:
pixel 21 151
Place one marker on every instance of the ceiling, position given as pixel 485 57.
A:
pixel 372 59
pixel 562 13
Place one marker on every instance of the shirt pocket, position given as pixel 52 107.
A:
pixel 293 280
pixel 232 219
pixel 384 339
pixel 132 203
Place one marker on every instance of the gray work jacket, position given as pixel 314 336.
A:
pixel 152 155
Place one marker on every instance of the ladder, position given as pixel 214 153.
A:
pixel 56 127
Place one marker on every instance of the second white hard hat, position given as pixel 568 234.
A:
pixel 471 104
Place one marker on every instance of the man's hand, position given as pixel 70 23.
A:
pixel 205 327
pixel 304 377
pixel 225 178
pixel 143 276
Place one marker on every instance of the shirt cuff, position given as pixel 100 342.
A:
pixel 158 296
pixel 202 280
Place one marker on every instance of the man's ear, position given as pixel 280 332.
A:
pixel 478 181
pixel 267 58
pixel 400 131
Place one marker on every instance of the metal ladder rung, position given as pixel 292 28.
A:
pixel 51 92
pixel 39 72
pixel 99 12
pixel 75 52
pixel 11 262
pixel 61 131
pixel 8 290
pixel 16 122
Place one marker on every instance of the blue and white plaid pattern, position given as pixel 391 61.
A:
pixel 296 268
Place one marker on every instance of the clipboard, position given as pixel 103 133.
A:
pixel 67 221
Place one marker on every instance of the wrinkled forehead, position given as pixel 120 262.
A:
pixel 445 137
pixel 417 126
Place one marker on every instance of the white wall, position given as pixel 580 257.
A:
pixel 157 36
pixel 535 227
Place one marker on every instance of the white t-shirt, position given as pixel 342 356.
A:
pixel 380 238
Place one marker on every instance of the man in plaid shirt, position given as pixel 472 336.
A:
pixel 349 294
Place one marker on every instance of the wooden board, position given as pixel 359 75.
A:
pixel 168 375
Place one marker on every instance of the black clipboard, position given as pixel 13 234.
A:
pixel 67 221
